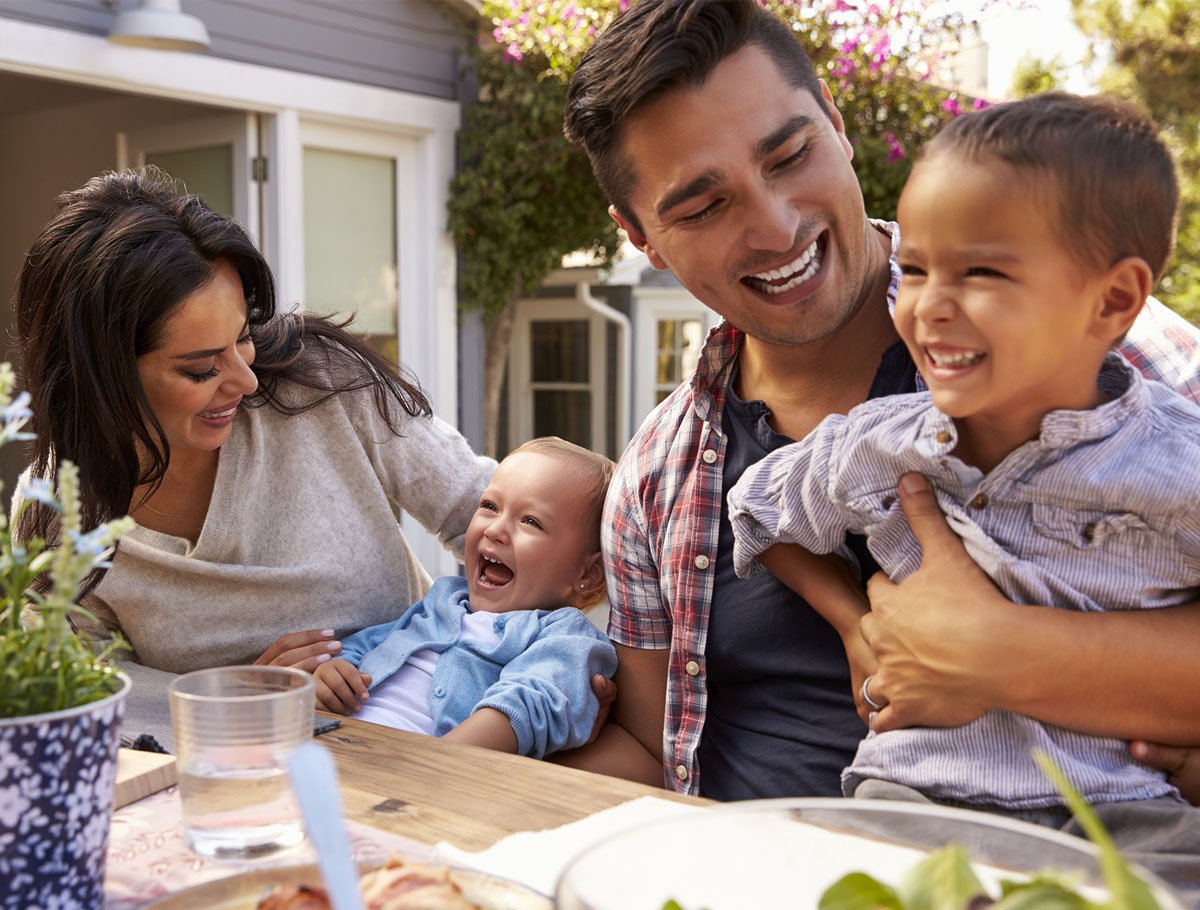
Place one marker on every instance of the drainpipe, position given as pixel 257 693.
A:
pixel 583 293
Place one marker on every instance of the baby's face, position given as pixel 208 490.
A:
pixel 997 314
pixel 526 545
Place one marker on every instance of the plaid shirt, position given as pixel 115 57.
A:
pixel 662 515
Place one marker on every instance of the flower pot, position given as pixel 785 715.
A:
pixel 56 795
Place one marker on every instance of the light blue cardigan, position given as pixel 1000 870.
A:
pixel 538 674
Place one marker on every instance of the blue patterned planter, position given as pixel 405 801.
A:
pixel 56 794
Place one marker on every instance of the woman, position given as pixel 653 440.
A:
pixel 261 455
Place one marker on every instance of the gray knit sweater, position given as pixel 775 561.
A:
pixel 301 533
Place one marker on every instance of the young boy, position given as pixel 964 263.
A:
pixel 502 658
pixel 1031 234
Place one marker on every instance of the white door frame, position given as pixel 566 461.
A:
pixel 652 304
pixel 520 392
pixel 238 129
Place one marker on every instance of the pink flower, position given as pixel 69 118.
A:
pixel 512 53
pixel 981 103
pixel 895 149
pixel 951 106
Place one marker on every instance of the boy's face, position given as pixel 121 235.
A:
pixel 527 547
pixel 745 190
pixel 999 317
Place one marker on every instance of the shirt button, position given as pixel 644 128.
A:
pixel 681 772
pixel 439 691
pixel 709 456
pixel 943 437
pixel 979 501
pixel 701 562
pixel 692 668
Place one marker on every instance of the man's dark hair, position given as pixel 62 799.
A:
pixel 657 46
pixel 1112 177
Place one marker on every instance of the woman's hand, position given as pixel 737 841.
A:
pixel 1181 763
pixel 935 634
pixel 305 650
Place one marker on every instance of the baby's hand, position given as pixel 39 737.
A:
pixel 340 687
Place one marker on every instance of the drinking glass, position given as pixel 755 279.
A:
pixel 235 729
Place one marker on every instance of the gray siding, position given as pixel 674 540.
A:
pixel 409 45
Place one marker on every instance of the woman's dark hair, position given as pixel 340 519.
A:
pixel 96 291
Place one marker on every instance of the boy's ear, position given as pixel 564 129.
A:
pixel 1125 288
pixel 637 238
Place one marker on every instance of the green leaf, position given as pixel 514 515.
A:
pixel 859 891
pixel 1040 894
pixel 1126 890
pixel 944 880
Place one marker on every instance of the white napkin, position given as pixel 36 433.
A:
pixel 537 858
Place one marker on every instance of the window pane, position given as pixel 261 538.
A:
pixel 693 340
pixel 207 172
pixel 350 241
pixel 559 351
pixel 668 367
pixel 563 412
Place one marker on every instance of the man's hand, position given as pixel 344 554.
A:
pixel 1182 765
pixel 340 687
pixel 605 691
pixel 862 664
pixel 938 634
pixel 305 650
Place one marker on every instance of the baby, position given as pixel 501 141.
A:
pixel 504 657
pixel 1031 234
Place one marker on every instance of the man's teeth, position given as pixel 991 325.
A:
pixel 794 274
pixel 957 359
pixel 217 415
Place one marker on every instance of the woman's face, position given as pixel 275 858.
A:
pixel 196 378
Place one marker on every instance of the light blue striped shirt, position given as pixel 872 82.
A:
pixel 1100 512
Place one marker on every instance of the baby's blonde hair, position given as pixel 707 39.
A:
pixel 595 471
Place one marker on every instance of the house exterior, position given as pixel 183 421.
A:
pixel 325 126
pixel 594 351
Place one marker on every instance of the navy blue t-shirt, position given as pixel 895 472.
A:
pixel 780 718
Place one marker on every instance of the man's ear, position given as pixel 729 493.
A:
pixel 836 117
pixel 1123 292
pixel 637 238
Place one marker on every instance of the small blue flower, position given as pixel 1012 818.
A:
pixel 40 489
pixel 93 543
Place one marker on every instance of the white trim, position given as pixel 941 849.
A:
pixel 652 304
pixel 53 53
pixel 520 388
pixel 236 128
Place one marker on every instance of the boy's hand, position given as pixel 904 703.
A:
pixel 340 687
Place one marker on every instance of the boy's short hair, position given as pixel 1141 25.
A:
pixel 656 46
pixel 595 472
pixel 1113 176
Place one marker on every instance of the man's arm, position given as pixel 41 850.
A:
pixel 630 744
pixel 951 646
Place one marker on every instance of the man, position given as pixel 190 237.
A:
pixel 727 162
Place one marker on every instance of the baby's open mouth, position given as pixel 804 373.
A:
pixel 493 572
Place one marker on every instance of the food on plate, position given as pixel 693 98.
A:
pixel 400 885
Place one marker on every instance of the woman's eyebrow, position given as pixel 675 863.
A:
pixel 199 355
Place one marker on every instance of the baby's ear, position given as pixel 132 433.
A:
pixel 592 576
pixel 1126 286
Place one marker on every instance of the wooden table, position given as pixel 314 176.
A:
pixel 428 789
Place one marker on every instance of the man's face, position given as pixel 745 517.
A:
pixel 744 189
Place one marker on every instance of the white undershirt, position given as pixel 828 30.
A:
pixel 402 701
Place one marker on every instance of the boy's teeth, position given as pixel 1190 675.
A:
pixel 794 274
pixel 959 359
